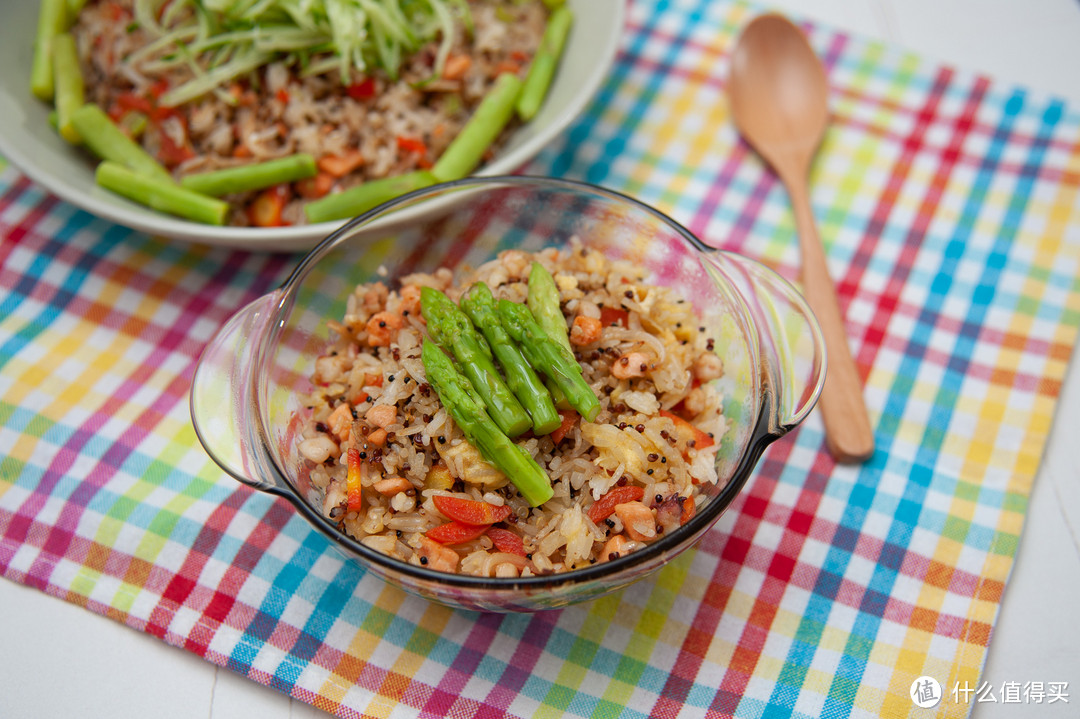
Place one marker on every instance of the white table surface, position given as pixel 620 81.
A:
pixel 57 660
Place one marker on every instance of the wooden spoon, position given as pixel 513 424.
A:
pixel 779 99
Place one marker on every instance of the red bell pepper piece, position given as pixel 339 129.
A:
pixel 605 506
pixel 687 431
pixel 507 541
pixel 363 90
pixel 471 511
pixel 613 316
pixel 455 532
pixel 265 210
pixel 569 419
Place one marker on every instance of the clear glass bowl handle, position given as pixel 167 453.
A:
pixel 791 349
pixel 222 390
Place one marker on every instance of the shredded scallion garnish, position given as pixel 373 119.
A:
pixel 222 40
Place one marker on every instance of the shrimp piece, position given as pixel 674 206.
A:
pixel 516 262
pixel 631 364
pixel 375 297
pixel 382 327
pixel 613 548
pixel 435 556
pixel 585 330
pixel 694 403
pixel 637 519
pixel 708 367
pixel 318 449
pixel 410 300
pixel 381 415
pixel 340 421
pixel 392 485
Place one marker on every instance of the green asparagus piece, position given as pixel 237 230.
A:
pixel 107 141
pixel 479 305
pixel 75 7
pixel 553 4
pixel 489 119
pixel 358 200
pixel 454 332
pixel 133 123
pixel 548 356
pixel 251 177
pixel 543 301
pixel 52 20
pixel 161 195
pixel 68 83
pixel 467 410
pixel 542 69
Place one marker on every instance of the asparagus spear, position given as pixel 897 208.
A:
pixel 52 20
pixel 454 332
pixel 160 195
pixel 544 61
pixel 467 410
pixel 251 177
pixel 468 148
pixel 107 141
pixel 548 356
pixel 543 302
pixel 358 200
pixel 479 304
pixel 68 83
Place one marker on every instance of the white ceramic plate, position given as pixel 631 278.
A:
pixel 31 144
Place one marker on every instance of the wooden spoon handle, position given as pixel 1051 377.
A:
pixel 848 433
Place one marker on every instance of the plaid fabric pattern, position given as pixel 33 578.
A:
pixel 950 209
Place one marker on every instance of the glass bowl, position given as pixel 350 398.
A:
pixel 249 387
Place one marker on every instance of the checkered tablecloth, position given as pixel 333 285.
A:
pixel 950 206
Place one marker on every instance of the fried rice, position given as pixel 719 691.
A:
pixel 361 127
pixel 620 482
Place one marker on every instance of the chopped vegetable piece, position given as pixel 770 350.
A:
pixel 107 141
pixel 456 532
pixel 265 210
pixel 549 357
pixel 313 188
pixel 358 200
pixel 611 316
pixel 569 419
pixel 68 81
pixel 544 62
pixel 452 330
pixel 470 511
pixel 341 165
pixel 605 506
pixel 479 304
pixel 163 196
pixel 467 410
pixel 353 489
pixel 133 124
pixel 439 477
pixel 363 90
pixel 507 541
pixel 251 177
pixel 52 20
pixel 688 432
pixel 487 121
